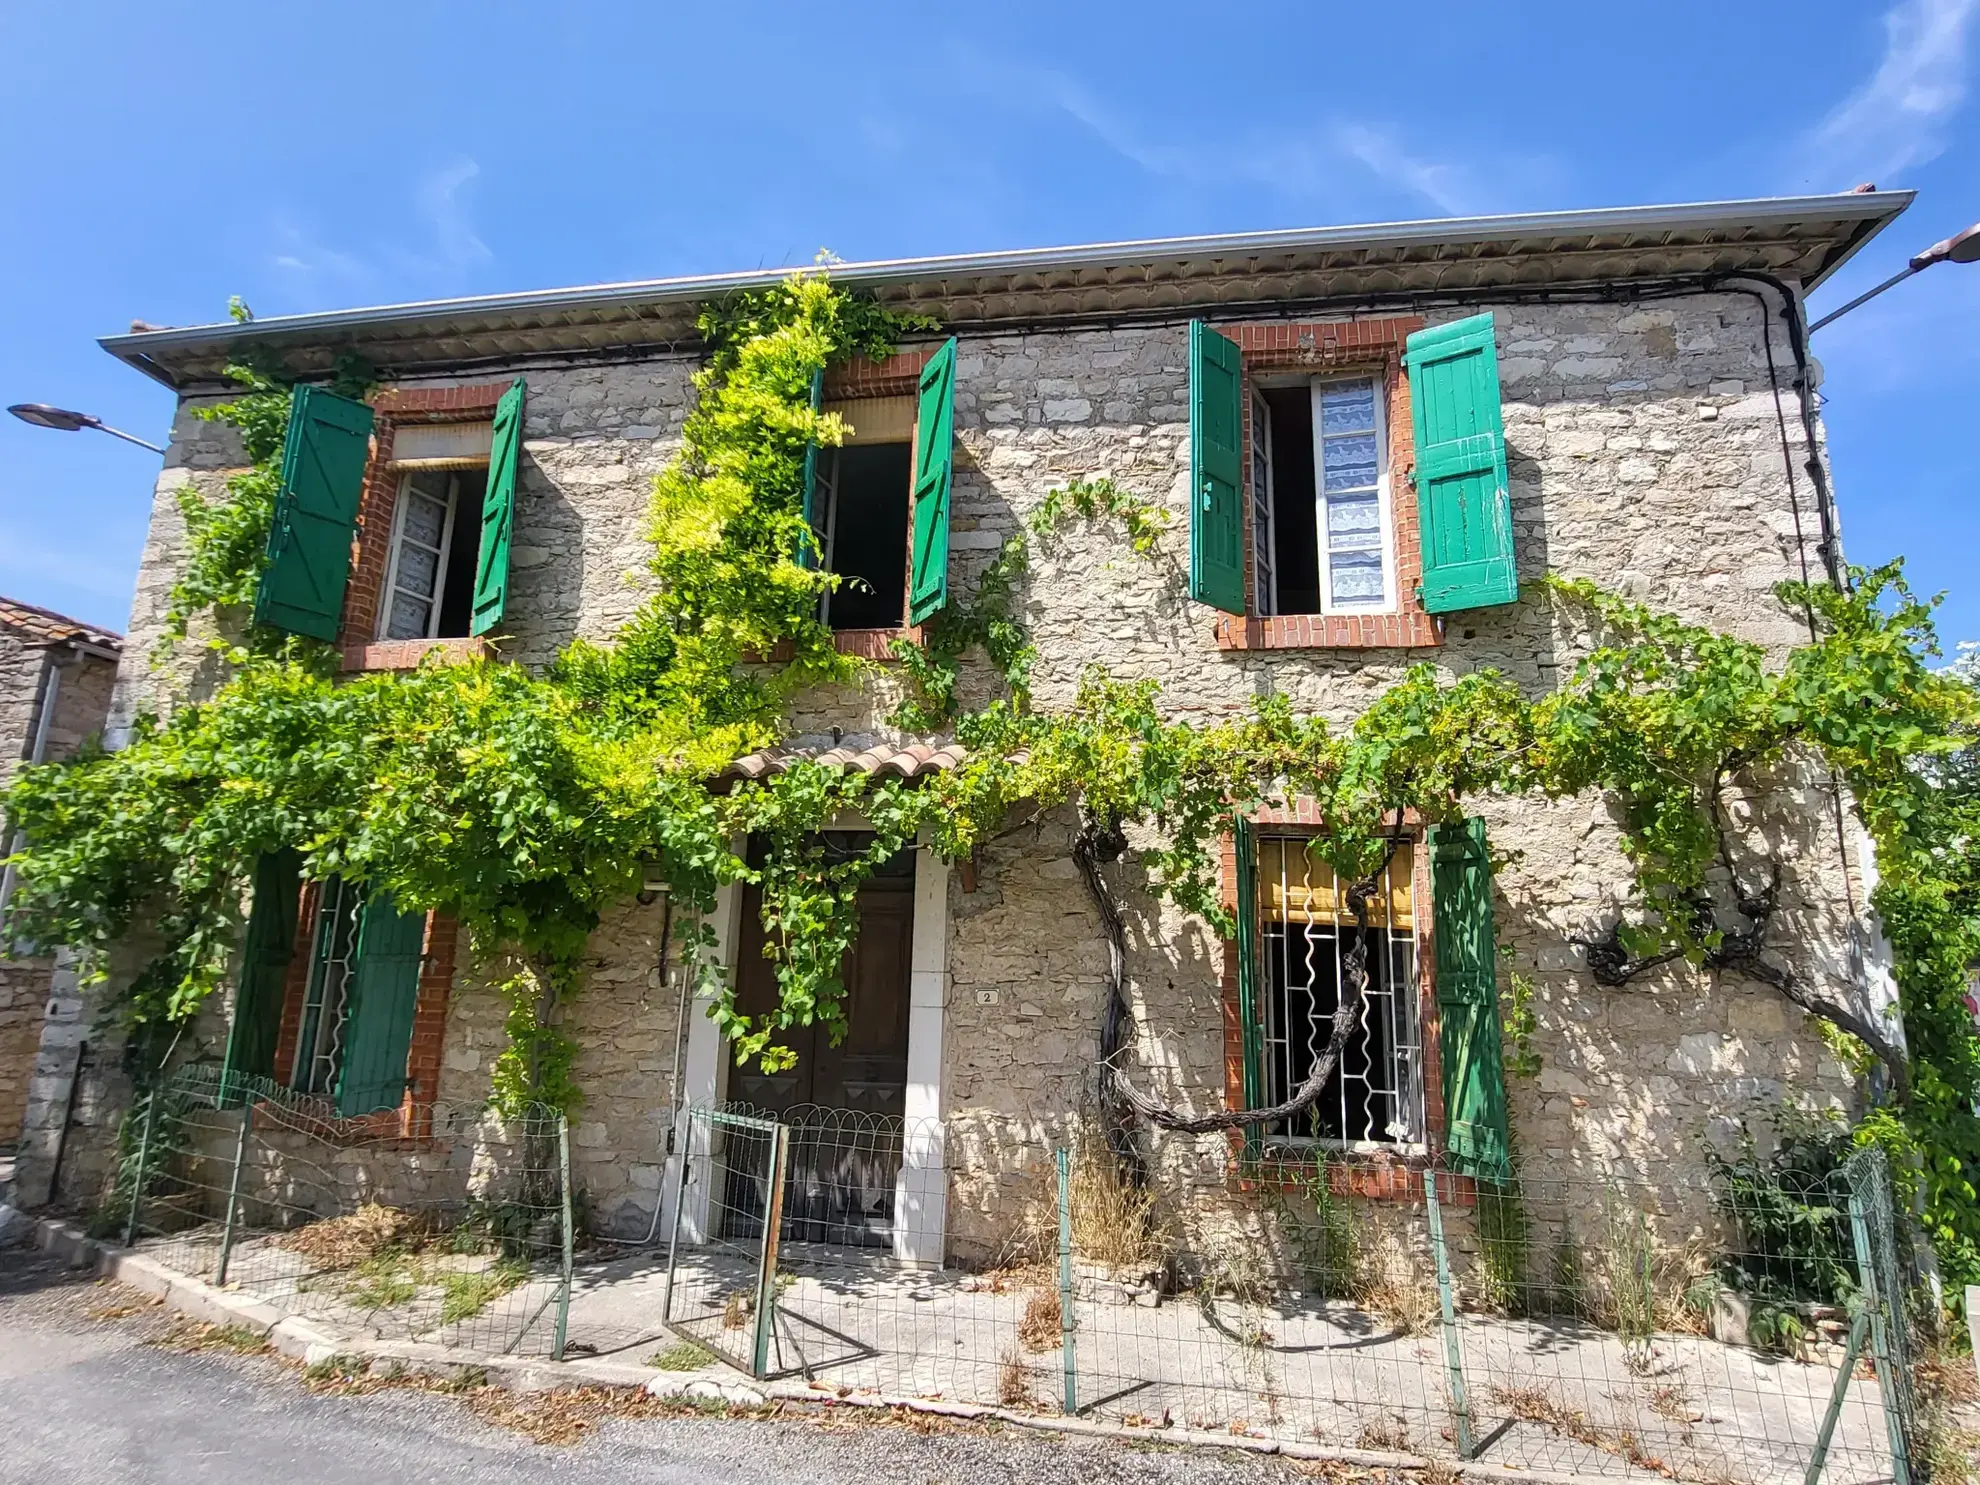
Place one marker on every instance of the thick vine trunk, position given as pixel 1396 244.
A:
pixel 1123 1102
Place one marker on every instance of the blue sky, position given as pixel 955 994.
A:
pixel 312 157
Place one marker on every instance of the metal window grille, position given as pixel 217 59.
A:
pixel 327 1007
pixel 1375 1096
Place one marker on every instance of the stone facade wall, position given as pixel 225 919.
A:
pixel 82 699
pixel 1643 453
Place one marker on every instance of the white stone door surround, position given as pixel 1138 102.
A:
pixel 921 1189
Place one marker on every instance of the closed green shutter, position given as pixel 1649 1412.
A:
pixel 269 945
pixel 1475 1138
pixel 1461 500
pixel 807 552
pixel 498 513
pixel 309 541
pixel 934 459
pixel 1216 466
pixel 1251 1026
pixel 384 993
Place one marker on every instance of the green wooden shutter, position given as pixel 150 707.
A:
pixel 1475 1138
pixel 498 513
pixel 1251 1023
pixel 934 459
pixel 384 993
pixel 309 541
pixel 807 552
pixel 267 948
pixel 1216 466
pixel 1462 505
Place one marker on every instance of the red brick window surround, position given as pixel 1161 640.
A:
pixel 861 380
pixel 1370 347
pixel 393 408
pixel 413 1118
pixel 1380 1173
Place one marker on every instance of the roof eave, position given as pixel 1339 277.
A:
pixel 1870 212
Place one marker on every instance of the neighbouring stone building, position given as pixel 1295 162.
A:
pixel 1603 394
pixel 55 679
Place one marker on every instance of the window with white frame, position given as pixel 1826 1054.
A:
pixel 1374 1097
pixel 436 530
pixel 1322 530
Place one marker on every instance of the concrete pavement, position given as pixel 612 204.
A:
pixel 88 1399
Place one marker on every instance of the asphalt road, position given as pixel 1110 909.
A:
pixel 89 1394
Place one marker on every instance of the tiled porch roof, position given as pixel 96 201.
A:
pixel 862 752
pixel 39 625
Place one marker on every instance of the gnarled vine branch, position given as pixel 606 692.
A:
pixel 1117 1091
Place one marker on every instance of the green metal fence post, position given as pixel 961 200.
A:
pixel 1453 1354
pixel 1068 1329
pixel 144 1156
pixel 234 1193
pixel 564 1283
pixel 1836 1394
pixel 766 1271
pixel 1889 1383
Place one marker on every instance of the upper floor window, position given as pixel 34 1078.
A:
pixel 436 529
pixel 860 506
pixel 1322 531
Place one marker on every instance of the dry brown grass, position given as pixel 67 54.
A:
pixel 1114 1223
pixel 1388 1284
pixel 1386 1433
pixel 347 1241
pixel 1039 1329
pixel 1014 1381
pixel 1538 1405
pixel 737 1309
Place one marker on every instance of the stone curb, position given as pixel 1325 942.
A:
pixel 312 1345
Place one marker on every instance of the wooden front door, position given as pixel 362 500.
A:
pixel 844 1103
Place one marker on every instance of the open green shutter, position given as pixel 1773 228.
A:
pixel 1251 1024
pixel 309 541
pixel 1216 466
pixel 1462 504
pixel 498 513
pixel 807 552
pixel 384 993
pixel 1475 1138
pixel 269 945
pixel 934 460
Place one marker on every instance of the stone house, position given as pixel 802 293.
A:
pixel 1366 437
pixel 55 679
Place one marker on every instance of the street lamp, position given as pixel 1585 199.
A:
pixel 60 418
pixel 1961 247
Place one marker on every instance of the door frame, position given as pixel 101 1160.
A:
pixel 921 1190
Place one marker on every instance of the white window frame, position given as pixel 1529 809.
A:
pixel 1264 510
pixel 1385 504
pixel 439 594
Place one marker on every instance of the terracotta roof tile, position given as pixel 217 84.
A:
pixel 45 626
pixel 866 753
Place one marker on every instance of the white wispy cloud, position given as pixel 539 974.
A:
pixel 1447 186
pixel 1315 161
pixel 440 242
pixel 1897 118
pixel 440 201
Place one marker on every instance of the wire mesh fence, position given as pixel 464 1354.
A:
pixel 1560 1321
pixel 428 1224
pixel 1749 1328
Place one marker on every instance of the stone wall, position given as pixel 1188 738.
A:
pixel 82 698
pixel 1643 453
